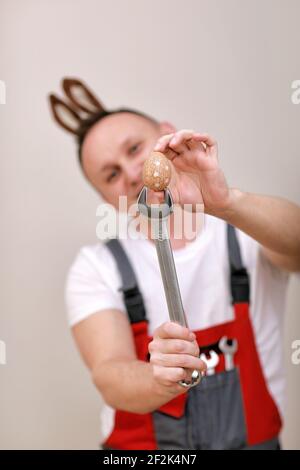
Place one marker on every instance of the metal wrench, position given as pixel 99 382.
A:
pixel 228 349
pixel 212 361
pixel 158 213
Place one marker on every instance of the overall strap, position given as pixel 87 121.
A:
pixel 131 294
pixel 239 278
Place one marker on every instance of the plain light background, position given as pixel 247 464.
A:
pixel 219 66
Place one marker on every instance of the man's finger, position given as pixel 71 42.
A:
pixel 185 361
pixel 194 144
pixel 207 139
pixel 180 139
pixel 163 142
pixel 174 346
pixel 174 330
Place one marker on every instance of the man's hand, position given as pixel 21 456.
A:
pixel 197 178
pixel 174 354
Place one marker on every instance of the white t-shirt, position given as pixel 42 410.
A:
pixel 203 275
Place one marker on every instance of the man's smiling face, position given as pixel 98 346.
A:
pixel 114 151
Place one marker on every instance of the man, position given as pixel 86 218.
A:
pixel 239 403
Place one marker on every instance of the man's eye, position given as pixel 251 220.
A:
pixel 112 175
pixel 134 148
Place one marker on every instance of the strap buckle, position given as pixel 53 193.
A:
pixel 134 304
pixel 240 286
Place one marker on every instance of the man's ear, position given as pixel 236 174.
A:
pixel 166 127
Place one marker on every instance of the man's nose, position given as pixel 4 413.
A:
pixel 134 173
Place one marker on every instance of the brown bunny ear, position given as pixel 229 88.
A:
pixel 81 96
pixel 64 115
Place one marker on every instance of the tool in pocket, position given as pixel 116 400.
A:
pixel 228 348
pixel 212 361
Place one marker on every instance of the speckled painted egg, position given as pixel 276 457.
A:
pixel 157 172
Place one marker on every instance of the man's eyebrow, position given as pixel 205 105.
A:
pixel 126 142
pixel 108 166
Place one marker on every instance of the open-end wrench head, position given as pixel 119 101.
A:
pixel 226 347
pixel 212 361
pixel 155 211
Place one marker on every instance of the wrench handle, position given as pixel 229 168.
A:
pixel 171 286
pixel 170 281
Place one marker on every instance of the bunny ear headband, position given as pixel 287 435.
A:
pixel 80 105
